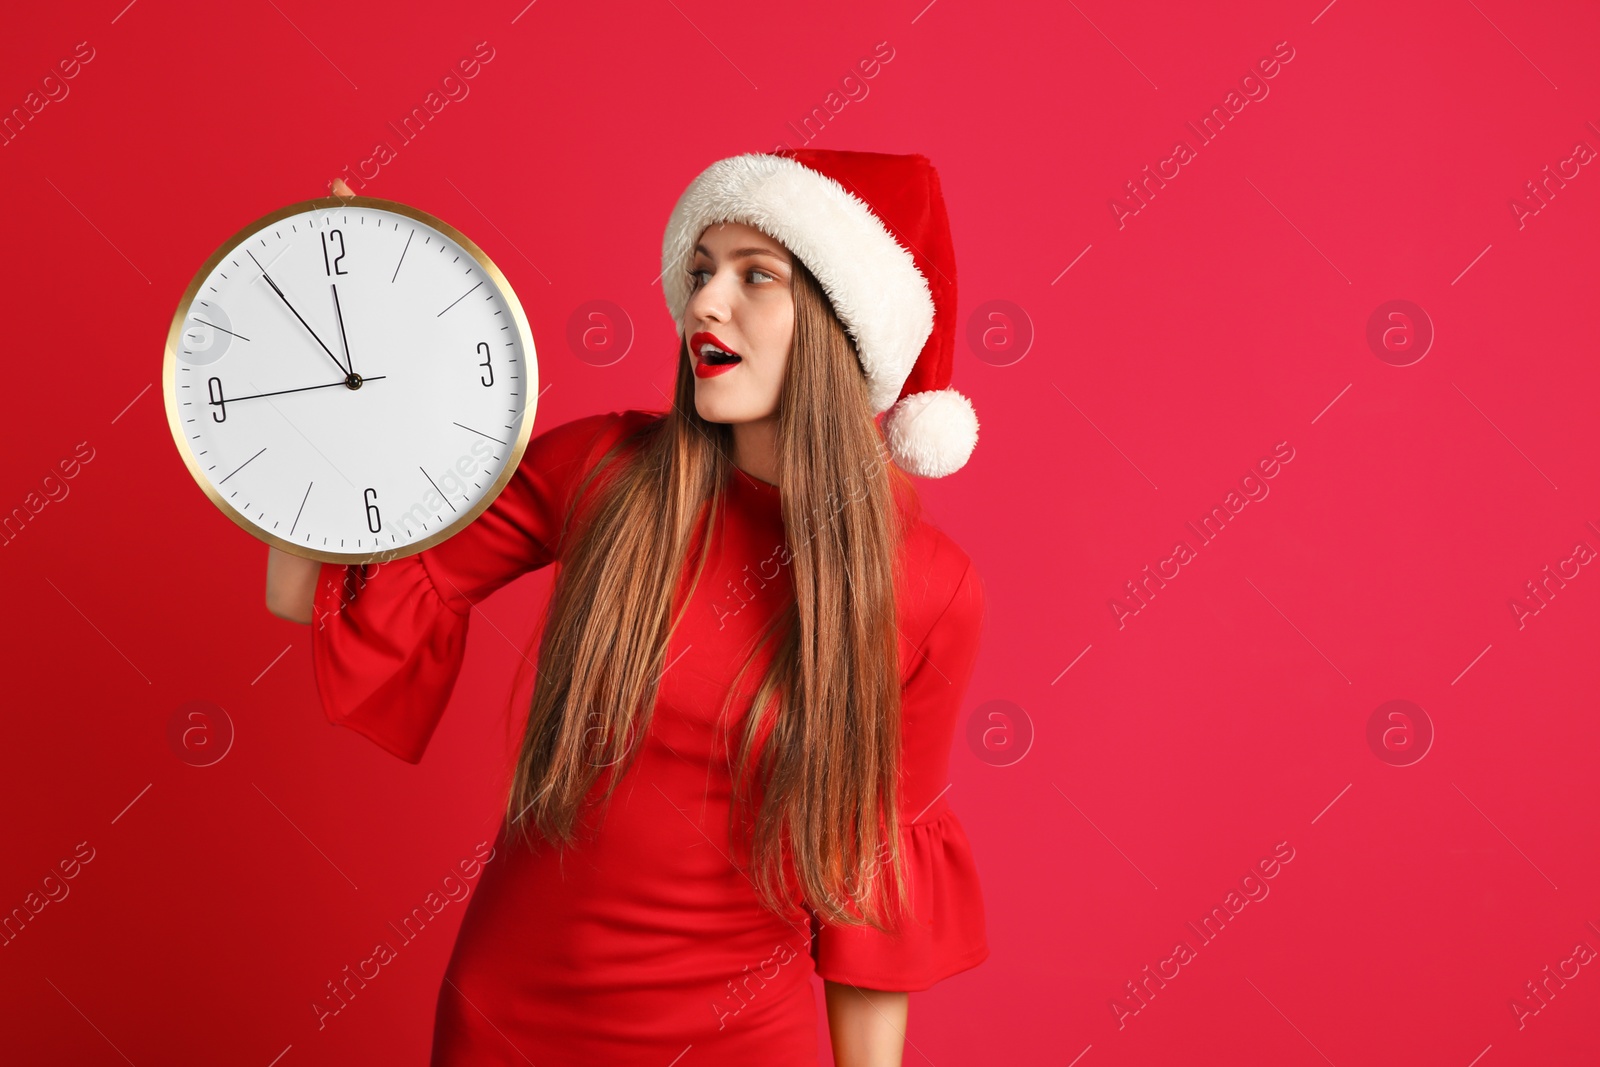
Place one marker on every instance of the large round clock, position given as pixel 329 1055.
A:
pixel 350 379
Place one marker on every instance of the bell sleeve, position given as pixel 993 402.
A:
pixel 947 934
pixel 388 638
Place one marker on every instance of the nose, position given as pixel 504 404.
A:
pixel 710 302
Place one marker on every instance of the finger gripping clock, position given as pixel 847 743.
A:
pixel 350 380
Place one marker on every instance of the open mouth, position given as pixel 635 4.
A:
pixel 712 352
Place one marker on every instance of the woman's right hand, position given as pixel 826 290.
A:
pixel 291 585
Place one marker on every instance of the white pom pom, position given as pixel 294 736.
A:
pixel 931 434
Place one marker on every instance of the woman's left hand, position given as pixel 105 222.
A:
pixel 867 1026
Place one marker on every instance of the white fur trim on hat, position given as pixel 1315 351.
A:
pixel 931 434
pixel 873 283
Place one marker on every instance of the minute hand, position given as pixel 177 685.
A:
pixel 342 368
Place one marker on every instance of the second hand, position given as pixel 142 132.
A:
pixel 301 389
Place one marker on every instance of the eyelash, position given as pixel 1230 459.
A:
pixel 694 275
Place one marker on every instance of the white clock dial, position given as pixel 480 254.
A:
pixel 350 380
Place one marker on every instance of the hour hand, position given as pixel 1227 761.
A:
pixel 342 368
pixel 339 314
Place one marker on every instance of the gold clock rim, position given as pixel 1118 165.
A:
pixel 519 319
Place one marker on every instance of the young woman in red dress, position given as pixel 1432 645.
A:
pixel 733 772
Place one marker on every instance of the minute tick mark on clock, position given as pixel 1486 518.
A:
pixel 224 329
pixel 436 488
pixel 480 433
pixel 241 467
pixel 409 236
pixel 458 299
pixel 302 507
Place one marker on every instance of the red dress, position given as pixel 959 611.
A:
pixel 648 945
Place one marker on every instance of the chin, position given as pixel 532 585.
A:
pixel 717 408
pixel 728 409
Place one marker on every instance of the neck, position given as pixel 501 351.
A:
pixel 755 448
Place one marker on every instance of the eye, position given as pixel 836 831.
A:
pixel 754 274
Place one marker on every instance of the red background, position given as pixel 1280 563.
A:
pixel 1228 715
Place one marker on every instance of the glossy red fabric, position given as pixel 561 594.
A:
pixel 647 943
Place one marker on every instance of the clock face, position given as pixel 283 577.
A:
pixel 350 380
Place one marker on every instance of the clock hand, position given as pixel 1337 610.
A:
pixel 301 389
pixel 290 306
pixel 348 362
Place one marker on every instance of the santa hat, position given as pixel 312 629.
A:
pixel 873 231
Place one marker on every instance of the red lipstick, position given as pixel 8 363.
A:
pixel 711 356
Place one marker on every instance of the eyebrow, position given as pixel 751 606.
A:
pixel 742 253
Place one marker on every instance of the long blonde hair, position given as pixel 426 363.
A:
pixel 817 766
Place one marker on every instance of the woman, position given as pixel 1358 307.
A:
pixel 768 644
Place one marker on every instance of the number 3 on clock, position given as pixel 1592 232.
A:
pixel 487 380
